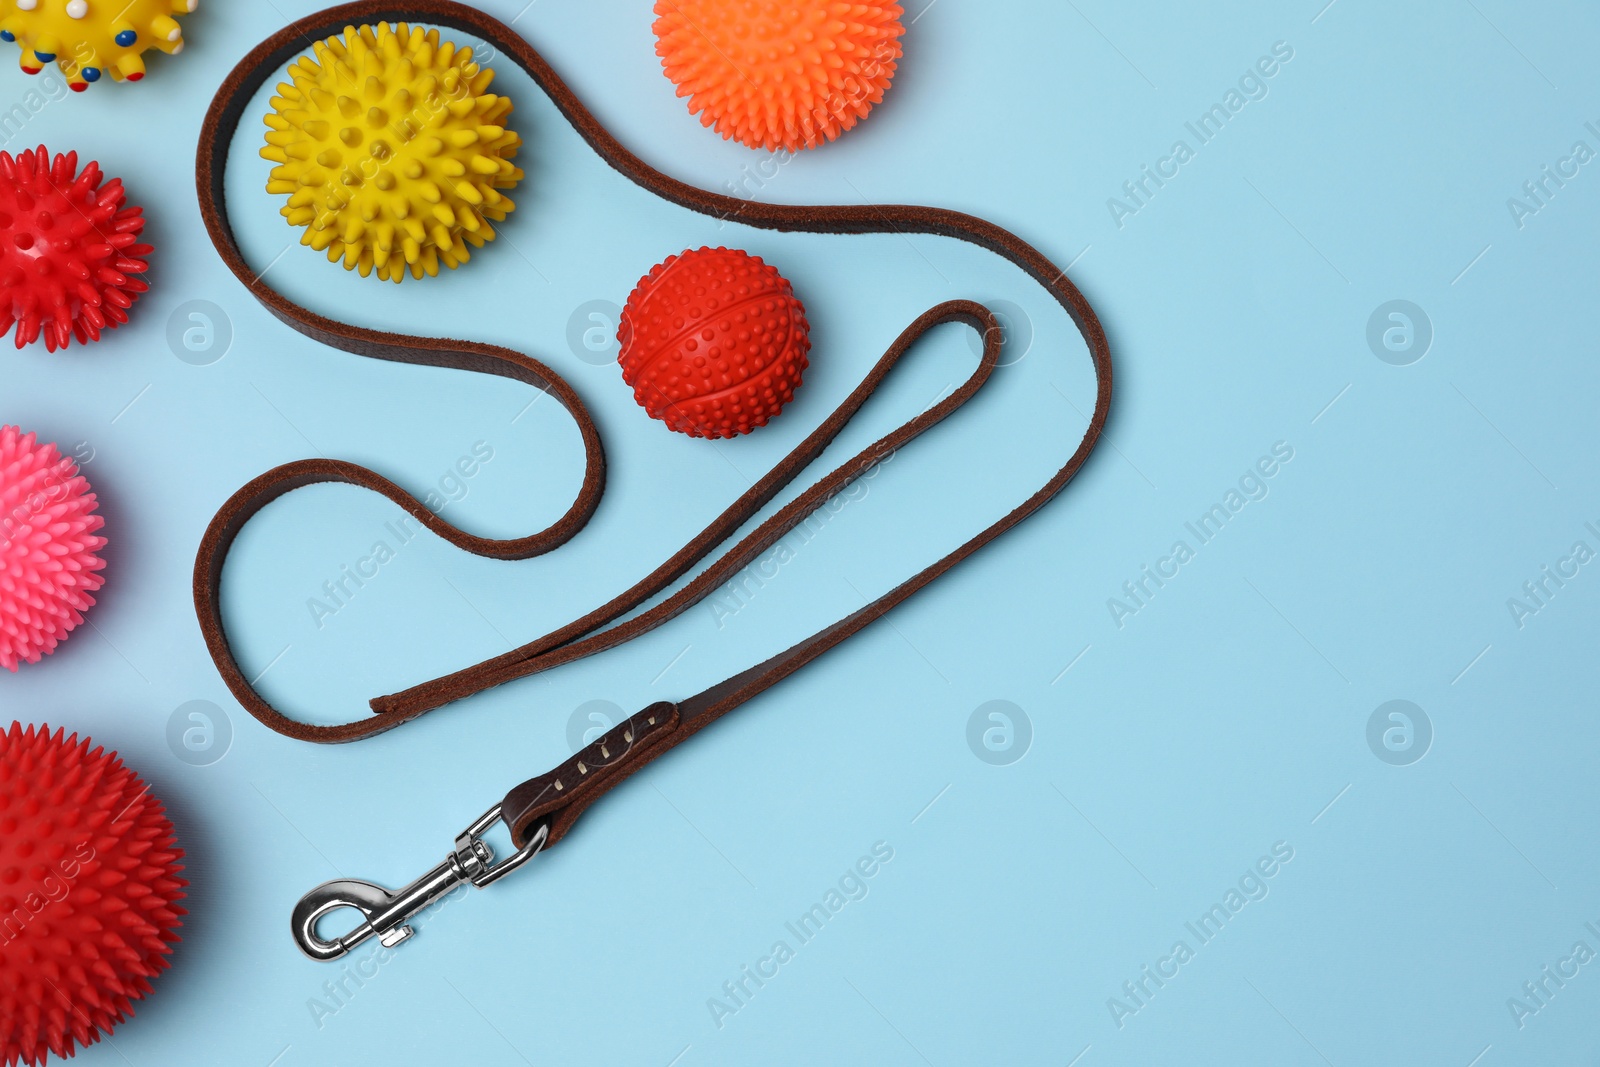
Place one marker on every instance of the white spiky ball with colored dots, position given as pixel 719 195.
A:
pixel 89 39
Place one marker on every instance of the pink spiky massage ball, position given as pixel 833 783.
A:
pixel 49 545
pixel 89 893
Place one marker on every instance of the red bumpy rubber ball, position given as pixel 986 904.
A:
pixel 714 342
pixel 89 892
pixel 68 245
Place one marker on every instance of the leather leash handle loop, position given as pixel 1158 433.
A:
pixel 579 639
pixel 568 643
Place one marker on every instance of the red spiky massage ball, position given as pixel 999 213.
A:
pixel 89 893
pixel 714 342
pixel 67 247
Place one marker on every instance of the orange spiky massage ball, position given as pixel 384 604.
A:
pixel 89 893
pixel 773 75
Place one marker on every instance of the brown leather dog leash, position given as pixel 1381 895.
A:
pixel 541 810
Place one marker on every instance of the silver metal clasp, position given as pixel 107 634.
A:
pixel 386 913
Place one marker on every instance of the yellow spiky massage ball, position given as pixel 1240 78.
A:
pixel 91 38
pixel 391 150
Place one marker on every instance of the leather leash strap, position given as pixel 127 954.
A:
pixel 555 799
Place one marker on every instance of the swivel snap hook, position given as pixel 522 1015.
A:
pixel 385 913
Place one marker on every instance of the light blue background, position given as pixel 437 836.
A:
pixel 1227 715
